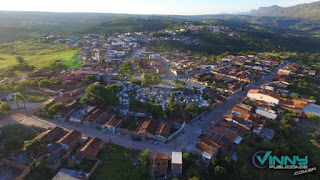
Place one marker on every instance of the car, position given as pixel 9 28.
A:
pixel 153 142
pixel 136 138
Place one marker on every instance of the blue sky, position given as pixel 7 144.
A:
pixel 178 7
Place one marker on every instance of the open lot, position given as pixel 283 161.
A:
pixel 118 163
pixel 13 137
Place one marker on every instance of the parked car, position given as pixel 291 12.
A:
pixel 136 138
pixel 153 142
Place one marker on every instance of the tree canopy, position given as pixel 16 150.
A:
pixel 103 97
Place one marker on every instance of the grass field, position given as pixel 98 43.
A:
pixel 13 137
pixel 36 53
pixel 35 97
pixel 117 163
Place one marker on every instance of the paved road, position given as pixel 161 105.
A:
pixel 191 131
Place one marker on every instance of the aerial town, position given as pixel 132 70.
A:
pixel 153 110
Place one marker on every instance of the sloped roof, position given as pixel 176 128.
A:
pixel 92 147
pixel 69 137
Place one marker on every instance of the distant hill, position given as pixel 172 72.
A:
pixel 306 11
pixel 122 25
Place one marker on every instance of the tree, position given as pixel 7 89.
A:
pixel 33 146
pixel 44 83
pixel 145 158
pixel 20 60
pixel 214 161
pixel 219 171
pixel 18 99
pixel 96 93
pixel 194 90
pixel 151 79
pixel 192 109
pixel 135 81
pixel 90 78
pixel 135 103
pixel 54 109
pixel 5 108
pixel 173 108
pixel 113 87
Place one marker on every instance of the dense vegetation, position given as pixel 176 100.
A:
pixel 129 25
pixel 125 68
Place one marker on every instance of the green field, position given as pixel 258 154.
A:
pixel 35 97
pixel 36 53
pixel 117 163
pixel 13 137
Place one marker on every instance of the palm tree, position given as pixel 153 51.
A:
pixel 19 99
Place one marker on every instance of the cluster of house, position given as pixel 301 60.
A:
pixel 87 115
pixel 57 145
pixel 196 29
pixel 252 117
pixel 163 164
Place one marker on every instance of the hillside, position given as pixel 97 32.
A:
pixel 129 25
pixel 306 11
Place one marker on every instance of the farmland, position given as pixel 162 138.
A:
pixel 36 53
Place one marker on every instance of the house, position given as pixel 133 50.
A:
pixel 209 146
pixel 162 132
pixel 67 174
pixel 265 113
pixel 234 128
pixel 160 163
pixel 70 140
pixel 228 134
pixel 247 124
pixel 77 116
pixel 312 72
pixel 148 128
pixel 264 132
pixel 312 109
pixel 176 163
pixel 112 123
pixel 6 96
pixel 50 135
pixel 284 72
pixel 269 97
pixel 66 112
pixel 97 116
pixel 91 148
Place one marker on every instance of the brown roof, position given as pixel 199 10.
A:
pixel 234 127
pixel 69 137
pixel 94 116
pixel 148 126
pixel 254 91
pixel 209 144
pixel 160 163
pixel 92 147
pixel 244 114
pixel 113 121
pixel 163 129
pixel 50 135
pixel 229 135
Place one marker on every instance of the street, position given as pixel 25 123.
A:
pixel 191 131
